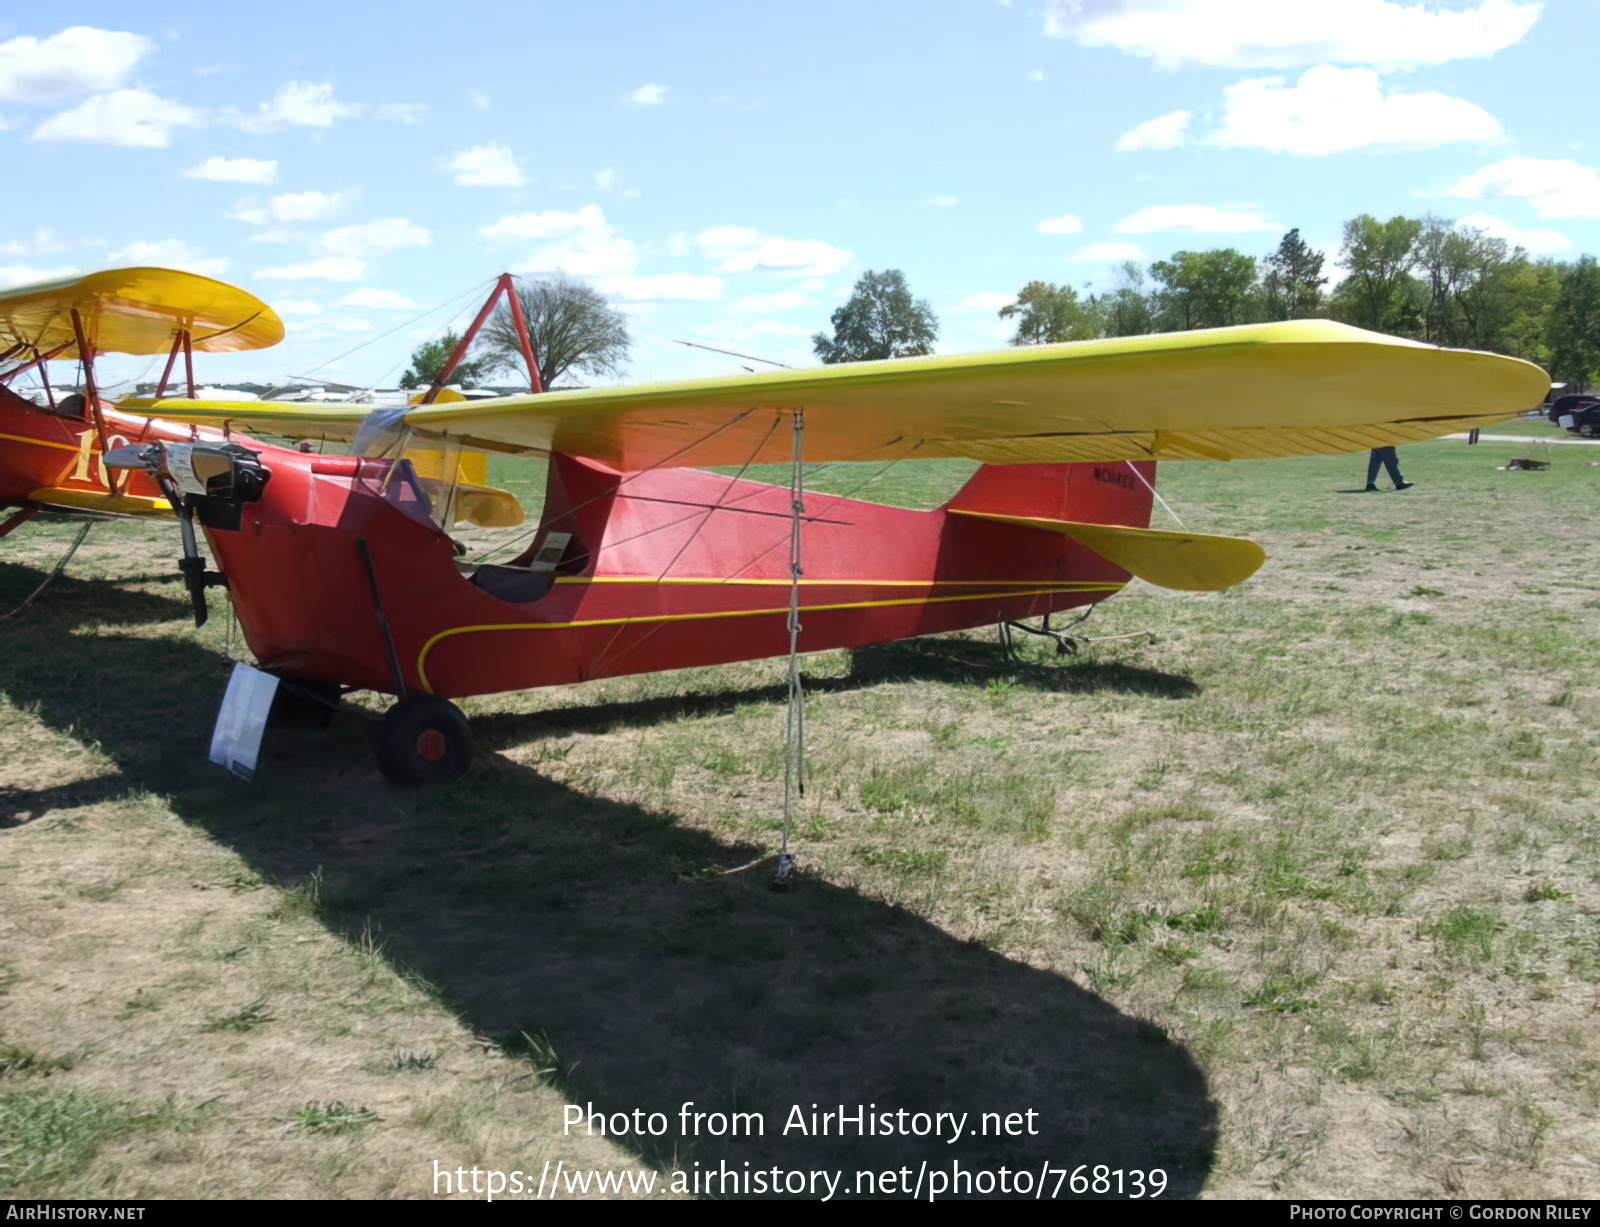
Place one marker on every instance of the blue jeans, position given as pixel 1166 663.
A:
pixel 1385 457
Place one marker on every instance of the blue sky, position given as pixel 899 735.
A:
pixel 726 171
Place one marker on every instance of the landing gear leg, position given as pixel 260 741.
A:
pixel 424 740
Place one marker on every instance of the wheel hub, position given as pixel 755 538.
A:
pixel 432 746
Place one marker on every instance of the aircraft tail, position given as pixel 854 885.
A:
pixel 1110 492
pixel 1106 507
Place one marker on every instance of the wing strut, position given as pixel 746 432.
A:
pixel 92 393
pixel 794 757
pixel 504 284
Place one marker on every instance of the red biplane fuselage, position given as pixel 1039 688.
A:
pixel 44 450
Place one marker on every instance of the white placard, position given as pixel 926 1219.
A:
pixel 236 741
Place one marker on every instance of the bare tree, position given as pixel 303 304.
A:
pixel 571 325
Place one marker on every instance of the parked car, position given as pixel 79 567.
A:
pixel 1578 412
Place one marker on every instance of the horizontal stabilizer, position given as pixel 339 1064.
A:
pixel 1189 562
pixel 100 501
pixel 487 507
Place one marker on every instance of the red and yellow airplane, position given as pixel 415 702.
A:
pixel 344 575
pixel 50 453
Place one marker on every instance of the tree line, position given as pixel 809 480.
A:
pixel 1427 278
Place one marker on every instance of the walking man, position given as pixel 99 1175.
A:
pixel 1385 457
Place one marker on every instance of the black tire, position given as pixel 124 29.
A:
pixel 424 740
pixel 303 705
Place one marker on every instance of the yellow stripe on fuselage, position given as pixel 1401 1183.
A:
pixel 66 447
pixel 422 656
pixel 835 583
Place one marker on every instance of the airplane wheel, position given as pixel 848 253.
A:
pixel 424 740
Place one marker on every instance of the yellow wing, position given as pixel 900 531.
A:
pixel 1305 387
pixel 137 311
pixel 96 500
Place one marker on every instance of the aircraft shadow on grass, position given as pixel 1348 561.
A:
pixel 952 660
pixel 604 925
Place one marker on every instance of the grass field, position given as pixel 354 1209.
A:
pixel 1298 896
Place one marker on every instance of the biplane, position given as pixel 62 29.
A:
pixel 344 574
pixel 51 448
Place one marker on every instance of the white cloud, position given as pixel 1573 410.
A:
pixel 1109 253
pixel 588 245
pixel 940 202
pixel 168 253
pixel 1035 76
pixel 761 304
pixel 759 329
pixel 647 96
pixel 1199 219
pixel 13 275
pixel 1067 223
pixel 719 242
pixel 43 242
pixel 1388 34
pixel 743 250
pixel 1333 110
pixel 234 170
pixel 289 207
pixel 79 60
pixel 299 103
pixel 331 268
pixel 479 99
pixel 296 306
pixel 486 166
pixel 666 287
pixel 550 224
pixel 603 179
pixel 407 113
pixel 1162 132
pixel 377 238
pixel 380 300
pixel 1555 187
pixel 123 117
pixel 988 302
pixel 304 206
pixel 1537 242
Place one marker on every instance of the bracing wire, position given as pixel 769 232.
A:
pixel 475 289
pixel 61 565
pixel 1134 470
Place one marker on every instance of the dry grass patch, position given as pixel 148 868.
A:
pixel 1296 899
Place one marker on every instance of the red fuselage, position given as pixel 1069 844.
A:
pixel 43 450
pixel 665 570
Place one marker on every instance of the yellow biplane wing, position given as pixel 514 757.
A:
pixel 64 498
pixel 1304 387
pixel 136 311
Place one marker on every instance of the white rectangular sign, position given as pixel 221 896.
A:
pixel 236 741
